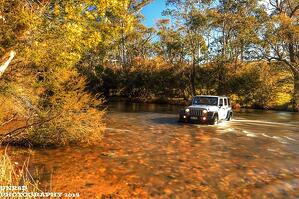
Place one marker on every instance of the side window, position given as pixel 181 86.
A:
pixel 221 102
pixel 228 101
pixel 225 102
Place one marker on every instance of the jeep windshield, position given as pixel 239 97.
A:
pixel 210 101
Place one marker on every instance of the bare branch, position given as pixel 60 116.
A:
pixel 139 6
pixel 292 67
pixel 294 11
pixel 9 120
pixel 21 129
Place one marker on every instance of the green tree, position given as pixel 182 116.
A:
pixel 190 19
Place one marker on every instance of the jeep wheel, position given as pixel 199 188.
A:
pixel 182 120
pixel 229 117
pixel 214 121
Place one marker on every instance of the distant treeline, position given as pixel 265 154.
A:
pixel 248 50
pixel 253 84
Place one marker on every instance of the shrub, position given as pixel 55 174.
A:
pixel 59 114
pixel 74 117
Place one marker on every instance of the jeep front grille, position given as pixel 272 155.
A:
pixel 195 112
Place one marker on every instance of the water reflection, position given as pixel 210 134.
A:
pixel 147 154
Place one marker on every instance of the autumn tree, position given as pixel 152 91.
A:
pixel 45 88
pixel 279 38
pixel 171 43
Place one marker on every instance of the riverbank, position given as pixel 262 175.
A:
pixel 184 102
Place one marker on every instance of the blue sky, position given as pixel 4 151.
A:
pixel 153 11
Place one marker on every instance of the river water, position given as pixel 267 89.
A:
pixel 145 153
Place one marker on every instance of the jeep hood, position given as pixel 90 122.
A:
pixel 209 108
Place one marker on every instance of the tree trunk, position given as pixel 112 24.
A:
pixel 193 71
pixel 6 64
pixel 296 92
pixel 192 80
pixel 296 75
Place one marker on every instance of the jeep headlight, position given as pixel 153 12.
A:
pixel 187 110
pixel 205 111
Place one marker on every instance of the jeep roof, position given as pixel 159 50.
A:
pixel 209 96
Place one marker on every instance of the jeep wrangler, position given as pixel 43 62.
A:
pixel 207 109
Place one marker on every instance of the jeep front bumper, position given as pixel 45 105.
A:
pixel 190 118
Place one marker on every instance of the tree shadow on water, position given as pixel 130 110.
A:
pixel 166 120
pixel 175 121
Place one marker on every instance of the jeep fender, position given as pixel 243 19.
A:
pixel 230 112
pixel 212 114
pixel 182 112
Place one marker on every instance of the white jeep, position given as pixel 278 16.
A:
pixel 207 109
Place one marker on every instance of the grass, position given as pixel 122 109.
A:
pixel 13 174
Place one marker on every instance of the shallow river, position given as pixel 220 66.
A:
pixel 145 153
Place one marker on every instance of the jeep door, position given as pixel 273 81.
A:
pixel 226 106
pixel 222 109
